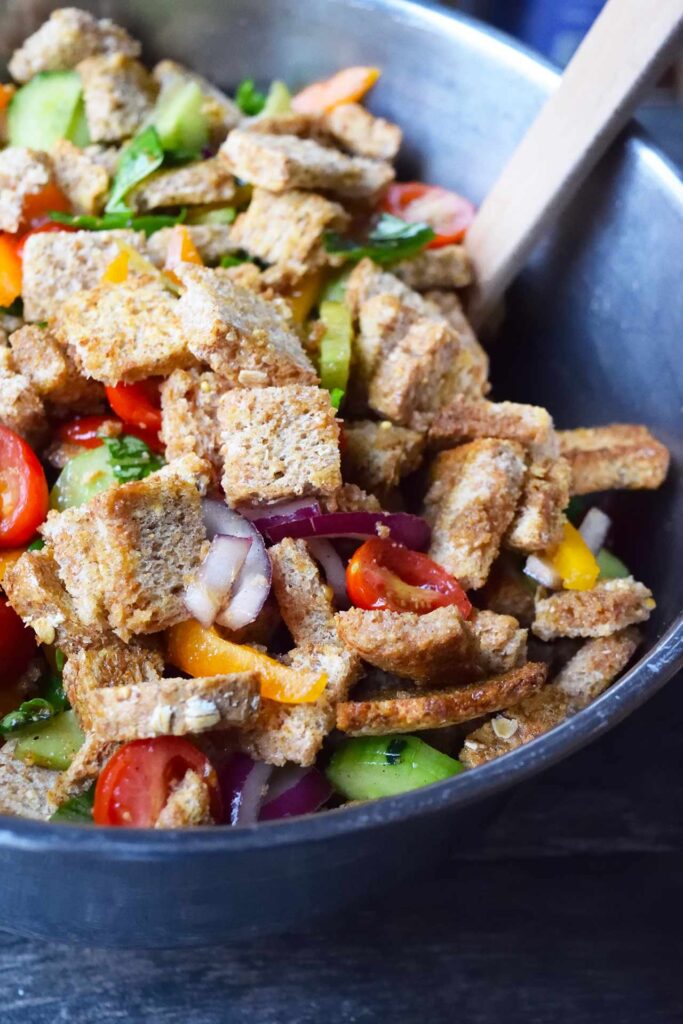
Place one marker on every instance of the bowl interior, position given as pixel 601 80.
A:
pixel 594 323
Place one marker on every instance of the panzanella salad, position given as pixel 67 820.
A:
pixel 267 543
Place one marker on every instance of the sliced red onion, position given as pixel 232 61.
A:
pixel 543 572
pixel 252 585
pixel 335 572
pixel 594 529
pixel 295 791
pixel 282 512
pixel 216 577
pixel 410 530
pixel 243 783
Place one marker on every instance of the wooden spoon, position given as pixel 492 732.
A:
pixel 622 54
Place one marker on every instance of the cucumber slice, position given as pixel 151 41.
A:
pixel 611 567
pixel 219 215
pixel 47 108
pixel 278 100
pixel 78 129
pixel 335 347
pixel 335 290
pixel 179 119
pixel 366 768
pixel 82 478
pixel 51 744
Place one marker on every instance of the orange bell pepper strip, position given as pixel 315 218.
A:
pixel 202 652
pixel 6 94
pixel 10 270
pixel 181 249
pixel 346 86
pixel 574 561
pixel 38 205
pixel 117 270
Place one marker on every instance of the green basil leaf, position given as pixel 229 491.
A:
pixel 78 809
pixel 234 259
pixel 36 545
pixel 149 223
pixel 16 309
pixel 31 711
pixel 390 240
pixel 141 157
pixel 131 458
pixel 249 99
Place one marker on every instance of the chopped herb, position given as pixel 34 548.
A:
pixel 141 157
pixel 16 309
pixel 149 223
pixel 336 397
pixel 42 324
pixel 36 545
pixel 249 99
pixel 78 809
pixel 31 711
pixel 390 240
pixel 234 259
pixel 394 750
pixel 131 458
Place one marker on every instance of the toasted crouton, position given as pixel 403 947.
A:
pixel 206 181
pixel 305 602
pixel 112 663
pixel 610 606
pixel 189 421
pixel 278 443
pixel 355 129
pixel 447 267
pixel 124 332
pixel 212 242
pixel 126 556
pixel 467 419
pixel 351 498
pixel 234 330
pixel 471 504
pixel 188 804
pixel 118 93
pixel 621 455
pixel 583 678
pixel 287 230
pixel 83 771
pixel 57 264
pixel 295 732
pixel 21 408
pixel 282 162
pixel 38 356
pixel 539 518
pixel 24 787
pixel 171 707
pixel 38 596
pixel 408 711
pixel 83 180
pixel 508 591
pixel 221 113
pixel 22 173
pixel 499 643
pixel 66 38
pixel 448 304
pixel 377 455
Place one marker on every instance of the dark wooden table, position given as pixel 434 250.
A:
pixel 570 910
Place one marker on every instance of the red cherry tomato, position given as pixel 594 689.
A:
pixel 23 490
pixel 17 647
pixel 88 431
pixel 138 404
pixel 136 782
pixel 446 212
pixel 38 205
pixel 40 230
pixel 386 574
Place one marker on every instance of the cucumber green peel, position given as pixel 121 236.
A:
pixel 366 768
pixel 50 744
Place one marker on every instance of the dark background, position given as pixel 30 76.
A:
pixel 569 908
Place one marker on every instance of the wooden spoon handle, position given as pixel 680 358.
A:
pixel 597 94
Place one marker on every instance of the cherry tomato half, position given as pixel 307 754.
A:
pixel 88 431
pixel 17 647
pixel 386 574
pixel 446 212
pixel 138 405
pixel 23 490
pixel 38 205
pixel 136 782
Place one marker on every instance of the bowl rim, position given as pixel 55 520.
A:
pixel 642 681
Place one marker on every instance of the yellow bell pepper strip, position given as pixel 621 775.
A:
pixel 10 270
pixel 302 300
pixel 138 262
pixel 335 347
pixel 117 271
pixel 346 86
pixel 574 561
pixel 202 652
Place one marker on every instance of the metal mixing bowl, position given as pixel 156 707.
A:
pixel 593 331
